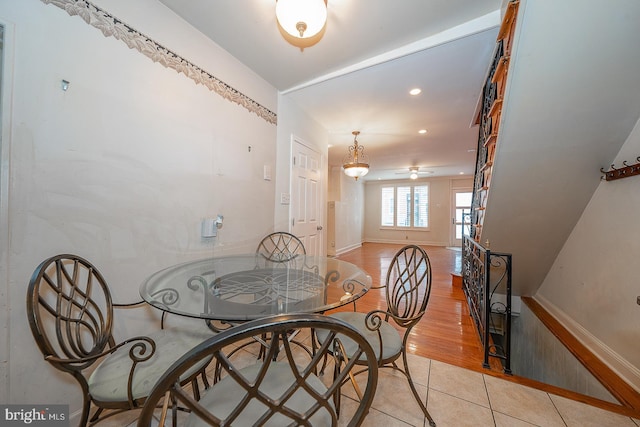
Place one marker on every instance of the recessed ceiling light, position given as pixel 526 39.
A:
pixel 422 131
pixel 415 91
pixel 461 173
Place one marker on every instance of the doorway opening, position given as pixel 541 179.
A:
pixel 461 215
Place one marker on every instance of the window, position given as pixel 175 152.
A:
pixel 405 206
pixel 387 206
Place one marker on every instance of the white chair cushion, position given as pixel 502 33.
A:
pixel 108 382
pixel 226 394
pixel 391 339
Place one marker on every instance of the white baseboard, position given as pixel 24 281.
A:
pixel 625 370
pixel 348 248
pixel 407 242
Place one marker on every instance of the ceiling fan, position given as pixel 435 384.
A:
pixel 414 172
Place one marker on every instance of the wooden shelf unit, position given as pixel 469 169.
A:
pixel 507 28
pixel 491 140
pixel 496 108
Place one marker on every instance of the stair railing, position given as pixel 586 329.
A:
pixel 484 153
pixel 486 281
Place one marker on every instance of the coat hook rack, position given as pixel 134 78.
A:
pixel 616 173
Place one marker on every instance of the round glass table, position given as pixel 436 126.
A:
pixel 244 287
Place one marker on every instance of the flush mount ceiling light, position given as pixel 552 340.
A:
pixel 301 22
pixel 356 163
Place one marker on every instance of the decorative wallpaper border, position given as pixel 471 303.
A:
pixel 113 27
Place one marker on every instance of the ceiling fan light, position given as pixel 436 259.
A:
pixel 301 18
pixel 414 175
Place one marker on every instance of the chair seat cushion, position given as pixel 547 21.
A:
pixel 391 339
pixel 108 382
pixel 226 395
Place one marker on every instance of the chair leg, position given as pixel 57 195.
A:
pixel 337 397
pixel 261 352
pixel 315 345
pixel 95 416
pixel 196 388
pixel 165 408
pixel 422 405
pixel 205 380
pixel 86 405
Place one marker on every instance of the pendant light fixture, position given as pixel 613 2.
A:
pixel 301 22
pixel 356 163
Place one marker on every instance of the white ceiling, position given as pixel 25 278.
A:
pixel 357 77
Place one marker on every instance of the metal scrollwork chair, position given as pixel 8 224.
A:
pixel 70 313
pixel 276 248
pixel 280 247
pixel 274 391
pixel 407 289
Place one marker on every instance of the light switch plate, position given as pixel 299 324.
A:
pixel 285 198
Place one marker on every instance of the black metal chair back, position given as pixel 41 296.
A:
pixel 408 286
pixel 70 313
pixel 281 389
pixel 407 291
pixel 280 247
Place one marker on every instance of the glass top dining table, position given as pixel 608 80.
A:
pixel 238 288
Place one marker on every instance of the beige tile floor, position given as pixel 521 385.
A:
pixel 458 397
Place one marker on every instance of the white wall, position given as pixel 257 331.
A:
pixel 537 354
pixel 440 201
pixel 121 167
pixel 593 284
pixel 347 211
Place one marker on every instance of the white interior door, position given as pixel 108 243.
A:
pixel 306 198
pixel 461 215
